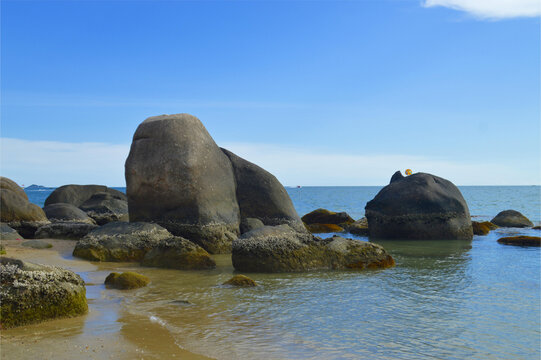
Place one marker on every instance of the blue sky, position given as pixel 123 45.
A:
pixel 317 92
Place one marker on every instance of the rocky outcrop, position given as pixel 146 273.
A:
pixel 480 228
pixel 359 227
pixel 126 281
pixel 324 228
pixel 178 177
pixel 7 233
pixel 521 240
pixel 120 241
pixel 324 216
pixel 178 253
pixel 105 207
pixel 260 195
pixel 240 281
pixel 419 206
pixel 511 218
pixel 17 211
pixel 76 195
pixel 396 176
pixel 66 212
pixel 32 293
pixel 283 249
pixel 69 230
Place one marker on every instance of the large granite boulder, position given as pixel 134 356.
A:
pixel 66 212
pixel 120 241
pixel 261 196
pixel 105 207
pixel 284 249
pixel 18 212
pixel 69 230
pixel 7 233
pixel 31 293
pixel 419 206
pixel 178 177
pixel 76 195
pixel 511 218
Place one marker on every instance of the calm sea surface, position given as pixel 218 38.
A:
pixel 443 300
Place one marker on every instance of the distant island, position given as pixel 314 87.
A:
pixel 37 187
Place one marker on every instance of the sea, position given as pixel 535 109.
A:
pixel 443 300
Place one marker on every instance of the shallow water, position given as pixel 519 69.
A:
pixel 444 299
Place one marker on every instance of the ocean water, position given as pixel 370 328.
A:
pixel 443 300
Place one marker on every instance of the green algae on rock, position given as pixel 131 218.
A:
pixel 521 240
pixel 359 227
pixel 480 228
pixel 127 280
pixel 323 228
pixel 32 293
pixel 240 280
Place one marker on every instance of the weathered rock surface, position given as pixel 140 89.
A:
pixel 396 176
pixel 420 206
pixel 359 227
pixel 480 228
pixel 7 233
pixel 31 293
pixel 283 249
pixel 178 253
pixel 260 195
pixel 70 230
pixel 521 240
pixel 17 211
pixel 324 228
pixel 120 241
pixel 249 224
pixel 66 212
pixel 37 244
pixel 324 216
pixel 178 177
pixel 127 280
pixel 511 218
pixel 104 208
pixel 240 281
pixel 76 195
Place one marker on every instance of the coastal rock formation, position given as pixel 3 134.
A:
pixel 480 228
pixel 178 177
pixel 249 224
pixel 17 211
pixel 521 240
pixel 511 218
pixel 76 195
pixel 7 233
pixel 120 241
pixel 324 228
pixel 283 249
pixel 396 176
pixel 419 206
pixel 359 227
pixel 31 293
pixel 66 212
pixel 178 253
pixel 240 281
pixel 69 230
pixel 261 196
pixel 324 216
pixel 126 281
pixel 105 207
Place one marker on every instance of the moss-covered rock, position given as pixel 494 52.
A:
pixel 37 244
pixel 283 249
pixel 324 216
pixel 127 280
pixel 521 240
pixel 240 280
pixel 511 218
pixel 178 253
pixel 2 249
pixel 323 228
pixel 359 227
pixel 32 293
pixel 490 225
pixel 480 228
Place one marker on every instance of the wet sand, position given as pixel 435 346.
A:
pixel 106 332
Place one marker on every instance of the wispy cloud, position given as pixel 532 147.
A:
pixel 54 163
pixel 492 9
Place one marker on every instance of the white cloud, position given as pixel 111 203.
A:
pixel 492 9
pixel 53 163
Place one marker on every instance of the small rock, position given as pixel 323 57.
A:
pixel 359 227
pixel 126 280
pixel 479 228
pixel 511 218
pixel 536 228
pixel 324 216
pixel 521 240
pixel 37 244
pixel 7 233
pixel 182 302
pixel 240 280
pixel 323 228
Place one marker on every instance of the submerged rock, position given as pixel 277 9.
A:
pixel 178 177
pixel 178 253
pixel 511 218
pixel 76 195
pixel 120 241
pixel 324 216
pixel 521 240
pixel 105 208
pixel 66 212
pixel 32 293
pixel 420 206
pixel 480 228
pixel 283 249
pixel 536 228
pixel 323 228
pixel 241 281
pixel 126 280
pixel 37 244
pixel 69 230
pixel 7 233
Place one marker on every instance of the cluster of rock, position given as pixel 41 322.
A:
pixel 31 293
